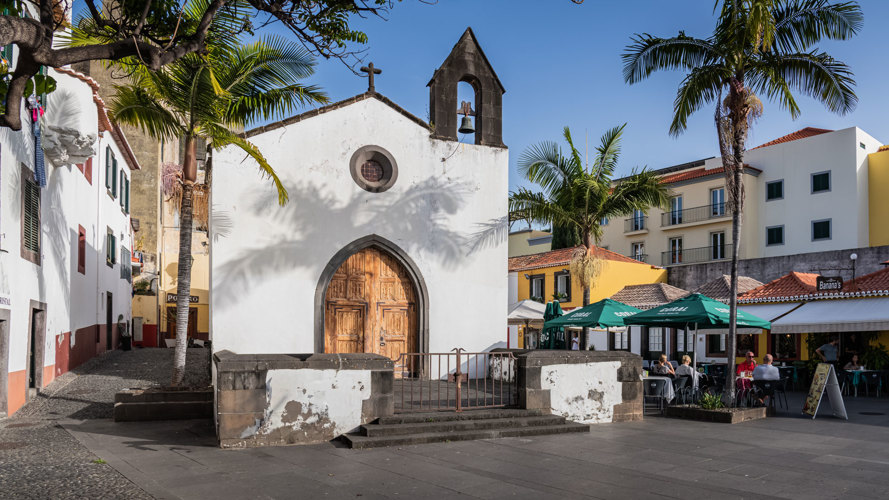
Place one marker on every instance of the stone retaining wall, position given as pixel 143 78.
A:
pixel 582 386
pixel 279 399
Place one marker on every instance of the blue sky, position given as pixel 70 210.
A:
pixel 560 64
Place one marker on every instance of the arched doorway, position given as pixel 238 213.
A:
pixel 371 306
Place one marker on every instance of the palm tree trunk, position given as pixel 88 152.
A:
pixel 732 341
pixel 183 278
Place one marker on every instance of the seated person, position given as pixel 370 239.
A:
pixel 766 371
pixel 663 367
pixel 685 369
pixel 748 365
pixel 853 364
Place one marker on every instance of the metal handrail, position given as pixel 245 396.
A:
pixel 635 224
pixel 455 381
pixel 641 257
pixel 700 254
pixel 694 214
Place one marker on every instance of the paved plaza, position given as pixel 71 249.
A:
pixel 70 449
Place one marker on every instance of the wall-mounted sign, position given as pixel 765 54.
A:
pixel 173 298
pixel 5 301
pixel 828 283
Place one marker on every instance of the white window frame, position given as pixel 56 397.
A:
pixel 717 208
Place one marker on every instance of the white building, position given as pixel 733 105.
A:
pixel 381 248
pixel 65 247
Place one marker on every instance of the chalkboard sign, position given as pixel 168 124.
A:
pixel 825 378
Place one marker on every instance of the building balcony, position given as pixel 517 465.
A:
pixel 636 225
pixel 641 257
pixel 696 215
pixel 695 255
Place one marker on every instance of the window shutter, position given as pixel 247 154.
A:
pixel 122 190
pixel 81 250
pixel 127 205
pixel 113 175
pixel 109 175
pixel 31 225
pixel 88 170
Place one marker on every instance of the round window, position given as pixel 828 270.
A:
pixel 373 168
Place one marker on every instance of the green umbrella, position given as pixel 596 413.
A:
pixel 603 314
pixel 553 311
pixel 698 310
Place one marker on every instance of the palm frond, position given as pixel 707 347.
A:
pixel 701 86
pixel 135 106
pixel 817 75
pixel 799 24
pixel 535 207
pixel 544 165
pixel 647 54
pixel 221 137
pixel 608 153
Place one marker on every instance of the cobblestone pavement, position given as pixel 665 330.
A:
pixel 39 459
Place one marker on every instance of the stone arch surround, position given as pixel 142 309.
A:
pixel 402 257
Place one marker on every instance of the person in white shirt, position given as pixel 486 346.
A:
pixel 766 371
pixel 685 369
pixel 575 344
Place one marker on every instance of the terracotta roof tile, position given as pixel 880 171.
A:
pixel 698 173
pixel 649 295
pixel 721 290
pixel 790 285
pixel 561 257
pixel 794 136
pixel 877 281
pixel 883 148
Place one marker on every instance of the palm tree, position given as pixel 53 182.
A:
pixel 758 48
pixel 209 97
pixel 577 198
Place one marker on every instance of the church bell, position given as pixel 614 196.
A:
pixel 466 126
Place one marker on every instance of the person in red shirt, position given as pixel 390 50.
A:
pixel 748 365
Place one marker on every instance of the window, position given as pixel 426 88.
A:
pixel 775 190
pixel 123 197
pixel 81 250
pixel 563 286
pixel 620 341
pixel 113 176
pixel 655 339
pixel 684 341
pixel 821 229
pixel 638 220
pixel 537 288
pixel 604 221
pixel 746 343
pixel 373 169
pixel 715 345
pixel 676 210
pixel 126 206
pixel 775 235
pixel 786 346
pixel 638 252
pixel 109 164
pixel 717 245
pixel 821 182
pixel 717 202
pixel 110 248
pixel 675 250
pixel 31 237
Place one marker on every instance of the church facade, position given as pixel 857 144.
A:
pixel 394 238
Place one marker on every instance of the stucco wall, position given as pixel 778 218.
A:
pixel 584 393
pixel 444 215
pixel 878 198
pixel 75 302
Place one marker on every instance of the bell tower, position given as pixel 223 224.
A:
pixel 467 63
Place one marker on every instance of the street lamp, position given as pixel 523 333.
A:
pixel 853 258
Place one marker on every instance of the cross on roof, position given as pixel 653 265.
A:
pixel 371 71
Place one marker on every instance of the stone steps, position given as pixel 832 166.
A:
pixel 400 430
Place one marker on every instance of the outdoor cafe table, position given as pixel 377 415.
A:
pixel 668 393
pixel 856 378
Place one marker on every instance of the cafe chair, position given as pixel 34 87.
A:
pixel 781 391
pixel 765 388
pixel 787 374
pixel 872 379
pixel 653 391
pixel 848 380
pixel 681 385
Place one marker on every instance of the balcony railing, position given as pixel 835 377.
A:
pixel 641 257
pixel 692 255
pixel 696 214
pixel 636 224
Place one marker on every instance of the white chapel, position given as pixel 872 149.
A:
pixel 394 239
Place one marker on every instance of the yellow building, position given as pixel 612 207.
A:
pixel 546 276
pixel 529 241
pixel 878 196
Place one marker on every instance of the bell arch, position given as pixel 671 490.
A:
pixel 401 257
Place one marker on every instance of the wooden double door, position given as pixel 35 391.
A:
pixel 371 307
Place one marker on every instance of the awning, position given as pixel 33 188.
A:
pixel 765 311
pixel 526 311
pixel 833 316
